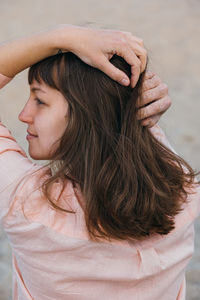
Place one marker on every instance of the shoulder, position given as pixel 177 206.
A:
pixel 160 135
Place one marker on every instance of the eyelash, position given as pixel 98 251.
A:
pixel 39 102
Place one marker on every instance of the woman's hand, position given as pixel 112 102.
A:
pixel 96 47
pixel 93 46
pixel 154 100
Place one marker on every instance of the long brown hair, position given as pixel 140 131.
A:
pixel 132 185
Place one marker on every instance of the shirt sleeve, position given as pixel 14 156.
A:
pixel 14 164
pixel 159 134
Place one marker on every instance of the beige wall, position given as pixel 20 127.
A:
pixel 171 31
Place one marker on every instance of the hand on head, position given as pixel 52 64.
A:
pixel 154 100
pixel 97 46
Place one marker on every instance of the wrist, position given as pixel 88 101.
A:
pixel 61 38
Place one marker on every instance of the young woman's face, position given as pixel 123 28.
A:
pixel 46 116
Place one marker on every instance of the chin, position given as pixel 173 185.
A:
pixel 38 156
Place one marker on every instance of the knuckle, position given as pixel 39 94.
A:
pixel 115 40
pixel 156 78
pixel 147 85
pixel 119 41
pixel 123 41
pixel 156 107
pixel 151 123
pixel 144 87
pixel 159 81
pixel 117 46
pixel 145 112
pixel 149 74
pixel 160 106
pixel 149 95
pixel 156 82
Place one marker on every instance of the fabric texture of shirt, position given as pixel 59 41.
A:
pixel 53 258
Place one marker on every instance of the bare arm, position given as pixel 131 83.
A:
pixel 93 46
pixel 17 55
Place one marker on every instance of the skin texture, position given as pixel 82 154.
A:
pixel 45 113
pixel 47 118
pixel 154 100
pixel 95 47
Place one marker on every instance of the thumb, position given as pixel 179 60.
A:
pixel 109 69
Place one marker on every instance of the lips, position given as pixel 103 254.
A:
pixel 31 134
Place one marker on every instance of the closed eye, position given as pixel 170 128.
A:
pixel 39 102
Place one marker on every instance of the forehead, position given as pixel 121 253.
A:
pixel 44 89
pixel 39 87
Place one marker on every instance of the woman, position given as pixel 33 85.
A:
pixel 110 217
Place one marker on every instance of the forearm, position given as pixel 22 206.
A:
pixel 17 55
pixel 95 47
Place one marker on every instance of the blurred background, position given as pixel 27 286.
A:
pixel 170 30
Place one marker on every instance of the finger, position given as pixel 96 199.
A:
pixel 135 74
pixel 109 69
pixel 149 75
pixel 131 58
pixel 141 54
pixel 137 46
pixel 151 83
pixel 137 40
pixel 150 122
pixel 155 108
pixel 151 95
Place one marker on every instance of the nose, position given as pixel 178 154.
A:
pixel 27 114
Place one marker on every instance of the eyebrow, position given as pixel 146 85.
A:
pixel 37 89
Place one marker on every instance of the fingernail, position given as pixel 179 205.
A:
pixel 125 81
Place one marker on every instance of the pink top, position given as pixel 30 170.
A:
pixel 53 257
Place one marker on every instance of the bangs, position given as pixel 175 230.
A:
pixel 46 71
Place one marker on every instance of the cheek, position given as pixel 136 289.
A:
pixel 50 126
pixel 59 125
pixel 43 147
pixel 50 135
